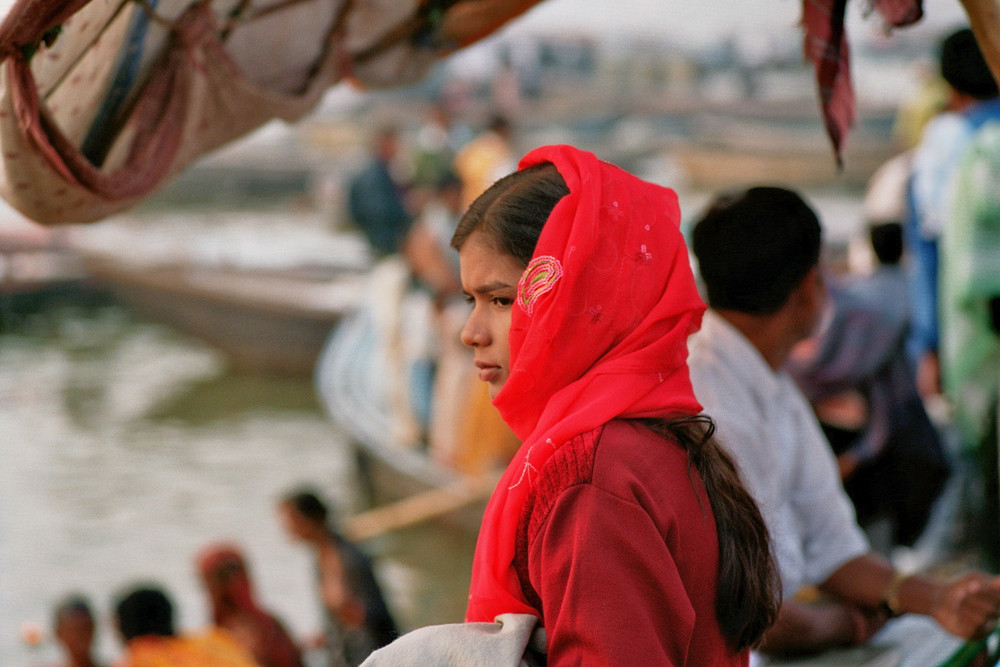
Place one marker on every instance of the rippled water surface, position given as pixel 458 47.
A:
pixel 126 447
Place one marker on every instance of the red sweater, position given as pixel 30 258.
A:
pixel 617 550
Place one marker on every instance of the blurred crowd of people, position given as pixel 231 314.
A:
pixel 407 201
pixel 871 353
pixel 917 331
pixel 242 631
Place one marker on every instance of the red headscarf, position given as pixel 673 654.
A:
pixel 224 561
pixel 599 331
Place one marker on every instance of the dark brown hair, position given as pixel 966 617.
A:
pixel 307 502
pixel 511 215
pixel 748 590
pixel 512 211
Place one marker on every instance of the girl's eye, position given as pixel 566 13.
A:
pixel 469 299
pixel 503 302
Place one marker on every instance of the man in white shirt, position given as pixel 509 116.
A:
pixel 758 253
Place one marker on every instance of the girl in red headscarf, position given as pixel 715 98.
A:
pixel 620 523
pixel 224 574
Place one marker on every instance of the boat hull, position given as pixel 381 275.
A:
pixel 261 321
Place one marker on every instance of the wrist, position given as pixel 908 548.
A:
pixel 858 626
pixel 890 600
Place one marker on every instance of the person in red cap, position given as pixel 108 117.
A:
pixel 224 575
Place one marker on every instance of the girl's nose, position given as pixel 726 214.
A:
pixel 474 334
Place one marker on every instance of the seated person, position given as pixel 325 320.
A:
pixel 224 574
pixel 73 624
pixel 859 380
pixel 758 253
pixel 145 618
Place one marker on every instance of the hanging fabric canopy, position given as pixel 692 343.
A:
pixel 103 102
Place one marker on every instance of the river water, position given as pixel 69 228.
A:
pixel 126 447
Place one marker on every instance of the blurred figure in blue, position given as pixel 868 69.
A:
pixel 377 201
pixel 972 102
pixel 857 376
pixel 955 239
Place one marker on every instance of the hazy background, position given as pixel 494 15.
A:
pixel 125 446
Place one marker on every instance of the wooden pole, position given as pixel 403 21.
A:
pixel 419 507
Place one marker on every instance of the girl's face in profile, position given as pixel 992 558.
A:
pixel 489 280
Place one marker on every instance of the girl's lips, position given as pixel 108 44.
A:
pixel 488 373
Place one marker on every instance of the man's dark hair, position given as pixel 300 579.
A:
pixel 964 67
pixel 498 123
pixel 145 611
pixel 307 503
pixel 887 242
pixel 755 247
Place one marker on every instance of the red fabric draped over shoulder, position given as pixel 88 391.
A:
pixel 599 331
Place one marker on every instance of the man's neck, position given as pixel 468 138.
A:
pixel 768 333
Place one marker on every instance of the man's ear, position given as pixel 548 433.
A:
pixel 807 301
pixel 815 286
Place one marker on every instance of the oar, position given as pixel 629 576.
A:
pixel 419 507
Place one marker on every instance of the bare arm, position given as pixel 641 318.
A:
pixel 810 628
pixel 337 597
pixel 852 618
pixel 966 607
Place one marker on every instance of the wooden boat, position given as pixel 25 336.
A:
pixel 732 146
pixel 36 269
pixel 360 383
pixel 32 257
pixel 266 321
pixel 263 288
pixel 776 159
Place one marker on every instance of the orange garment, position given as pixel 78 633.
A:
pixel 224 572
pixel 215 648
pixel 485 159
pixel 485 441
